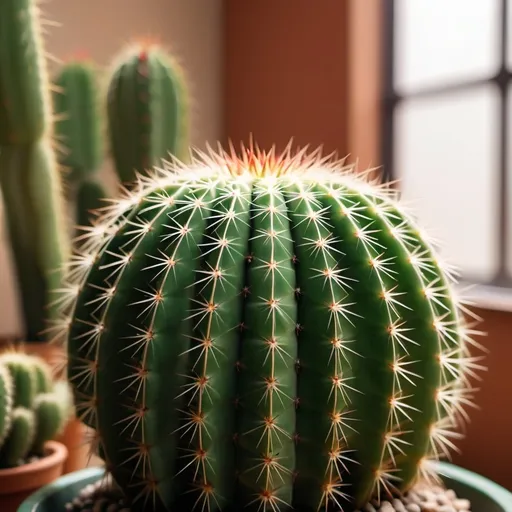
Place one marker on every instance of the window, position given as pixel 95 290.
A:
pixel 447 134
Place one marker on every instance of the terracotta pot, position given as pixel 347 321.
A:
pixel 16 484
pixel 75 439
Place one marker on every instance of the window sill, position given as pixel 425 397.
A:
pixel 489 297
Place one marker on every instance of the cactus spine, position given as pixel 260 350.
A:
pixel 78 129
pixel 33 409
pixel 293 340
pixel 147 111
pixel 29 178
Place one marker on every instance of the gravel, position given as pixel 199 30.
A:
pixel 422 498
pixel 102 497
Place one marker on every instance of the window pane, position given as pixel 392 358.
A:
pixel 447 160
pixel 439 42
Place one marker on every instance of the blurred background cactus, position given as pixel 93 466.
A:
pixel 147 110
pixel 29 176
pixel 305 333
pixel 78 128
pixel 33 408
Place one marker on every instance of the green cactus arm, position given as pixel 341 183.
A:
pixel 147 111
pixel 23 248
pixel 24 112
pixel 17 445
pixel 36 228
pixel 23 376
pixel 43 374
pixel 49 418
pixel 170 134
pixel 78 119
pixel 128 128
pixel 29 179
pixel 6 402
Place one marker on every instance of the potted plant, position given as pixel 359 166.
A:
pixel 31 184
pixel 271 332
pixel 33 411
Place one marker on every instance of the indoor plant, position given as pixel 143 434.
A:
pixel 147 106
pixel 29 175
pixel 266 331
pixel 33 411
pixel 32 190
pixel 78 127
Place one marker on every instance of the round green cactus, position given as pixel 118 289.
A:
pixel 33 408
pixel 265 331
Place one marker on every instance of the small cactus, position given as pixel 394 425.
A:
pixel 6 399
pixel 78 129
pixel 147 111
pixel 265 332
pixel 29 178
pixel 33 408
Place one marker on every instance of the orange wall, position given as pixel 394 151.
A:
pixel 487 447
pixel 285 72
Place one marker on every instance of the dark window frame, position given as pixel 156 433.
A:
pixel 502 80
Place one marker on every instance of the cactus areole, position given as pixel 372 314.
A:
pixel 265 331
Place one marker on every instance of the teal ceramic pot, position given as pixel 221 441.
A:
pixel 485 495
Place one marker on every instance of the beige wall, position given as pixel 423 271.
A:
pixel 191 28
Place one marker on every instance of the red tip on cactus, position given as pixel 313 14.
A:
pixel 145 44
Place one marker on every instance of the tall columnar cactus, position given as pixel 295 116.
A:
pixel 33 409
pixel 265 331
pixel 78 129
pixel 29 178
pixel 147 109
